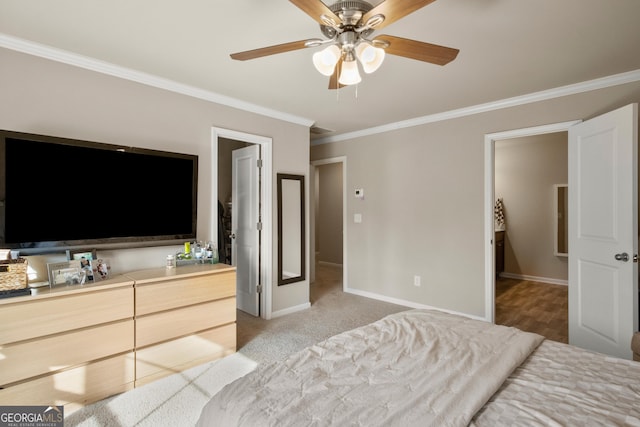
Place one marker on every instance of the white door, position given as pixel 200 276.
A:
pixel 245 215
pixel 603 232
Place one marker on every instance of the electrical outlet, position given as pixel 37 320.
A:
pixel 416 280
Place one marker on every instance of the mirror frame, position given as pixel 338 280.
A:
pixel 560 215
pixel 281 280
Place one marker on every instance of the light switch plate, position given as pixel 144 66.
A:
pixel 357 218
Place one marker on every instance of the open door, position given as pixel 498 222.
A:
pixel 603 232
pixel 245 217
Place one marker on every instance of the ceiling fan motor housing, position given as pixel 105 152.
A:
pixel 350 13
pixel 348 25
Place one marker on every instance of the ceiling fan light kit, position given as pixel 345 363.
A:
pixel 349 74
pixel 325 60
pixel 370 57
pixel 348 25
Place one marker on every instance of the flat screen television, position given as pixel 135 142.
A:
pixel 59 193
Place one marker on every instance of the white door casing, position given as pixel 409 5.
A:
pixel 245 243
pixel 266 192
pixel 489 184
pixel 603 293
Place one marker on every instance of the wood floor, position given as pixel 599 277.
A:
pixel 533 307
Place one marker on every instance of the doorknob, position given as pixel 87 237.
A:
pixel 232 235
pixel 622 257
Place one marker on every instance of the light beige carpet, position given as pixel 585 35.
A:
pixel 178 399
pixel 172 401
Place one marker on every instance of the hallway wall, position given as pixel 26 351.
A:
pixel 329 214
pixel 525 171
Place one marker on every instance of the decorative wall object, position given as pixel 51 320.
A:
pixel 498 215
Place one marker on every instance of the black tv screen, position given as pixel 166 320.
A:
pixel 59 193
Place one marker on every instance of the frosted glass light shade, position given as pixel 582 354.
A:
pixel 325 60
pixel 370 57
pixel 349 74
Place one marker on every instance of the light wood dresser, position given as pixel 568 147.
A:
pixel 74 345
pixel 183 319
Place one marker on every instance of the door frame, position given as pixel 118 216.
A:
pixel 489 192
pixel 266 145
pixel 312 216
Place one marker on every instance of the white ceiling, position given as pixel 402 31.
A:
pixel 508 48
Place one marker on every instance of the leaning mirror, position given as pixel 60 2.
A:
pixel 561 203
pixel 291 229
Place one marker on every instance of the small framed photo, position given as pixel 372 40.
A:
pixel 66 273
pixel 85 256
pixel 89 254
pixel 101 268
pixel 52 270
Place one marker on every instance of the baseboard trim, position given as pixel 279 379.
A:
pixel 330 264
pixel 535 278
pixel 290 310
pixel 406 303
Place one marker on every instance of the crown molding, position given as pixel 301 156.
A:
pixel 69 58
pixel 601 83
pixel 76 60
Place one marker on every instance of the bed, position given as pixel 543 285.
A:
pixel 431 368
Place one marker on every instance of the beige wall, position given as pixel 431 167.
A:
pixel 47 97
pixel 423 212
pixel 525 171
pixel 329 214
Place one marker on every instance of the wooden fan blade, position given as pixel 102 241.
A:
pixel 421 51
pixel 315 9
pixel 270 50
pixel 333 80
pixel 394 10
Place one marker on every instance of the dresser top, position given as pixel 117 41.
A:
pixel 122 280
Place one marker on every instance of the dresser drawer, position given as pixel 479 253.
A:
pixel 166 325
pixel 55 352
pixel 46 316
pixel 170 357
pixel 82 385
pixel 168 294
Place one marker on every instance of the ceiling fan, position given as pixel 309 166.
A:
pixel 348 26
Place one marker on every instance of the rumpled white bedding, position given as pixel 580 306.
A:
pixel 418 367
pixel 563 385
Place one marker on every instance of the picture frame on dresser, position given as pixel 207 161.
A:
pixel 53 266
pixel 89 254
pixel 101 268
pixel 65 273
pixel 85 256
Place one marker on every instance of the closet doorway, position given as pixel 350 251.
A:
pixel 253 278
pixel 328 217
pixel 531 290
pixel 536 262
